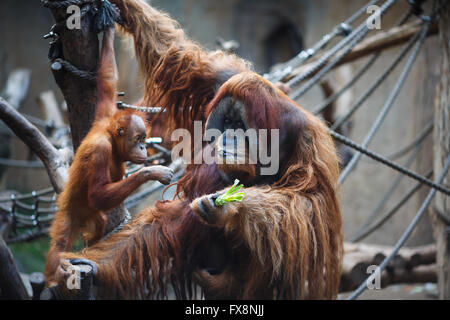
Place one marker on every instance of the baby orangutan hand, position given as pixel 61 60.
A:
pixel 161 173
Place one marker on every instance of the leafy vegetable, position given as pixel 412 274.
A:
pixel 230 195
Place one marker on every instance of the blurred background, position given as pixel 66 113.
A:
pixel 267 32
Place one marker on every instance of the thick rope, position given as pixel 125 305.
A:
pixel 341 29
pixel 389 103
pixel 335 96
pixel 82 74
pixel 403 237
pixel 416 141
pixel 390 191
pixel 389 163
pixel 351 41
pixel 363 233
pixel 343 119
pixel 324 105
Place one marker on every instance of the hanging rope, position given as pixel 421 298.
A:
pixel 350 41
pixel 363 233
pixel 335 96
pixel 341 29
pixel 387 106
pixel 367 66
pixel 403 237
pixel 389 163
pixel 416 141
pixel 343 119
pixel 390 191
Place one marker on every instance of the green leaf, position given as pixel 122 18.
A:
pixel 230 195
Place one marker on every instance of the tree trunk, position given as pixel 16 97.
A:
pixel 441 209
pixel 81 49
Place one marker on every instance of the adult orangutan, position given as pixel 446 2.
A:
pixel 283 240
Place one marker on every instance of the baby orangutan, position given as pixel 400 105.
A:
pixel 96 183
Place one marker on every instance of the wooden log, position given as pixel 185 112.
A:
pixel 359 256
pixel 382 41
pixel 408 257
pixel 420 274
pixel 441 211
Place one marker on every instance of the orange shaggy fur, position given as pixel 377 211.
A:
pixel 284 238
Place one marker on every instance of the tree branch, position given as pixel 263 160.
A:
pixel 56 165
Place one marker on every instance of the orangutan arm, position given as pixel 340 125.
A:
pixel 179 75
pixel 107 77
pixel 154 32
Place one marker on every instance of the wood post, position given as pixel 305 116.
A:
pixel 81 49
pixel 441 210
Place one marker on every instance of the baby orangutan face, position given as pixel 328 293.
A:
pixel 133 140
